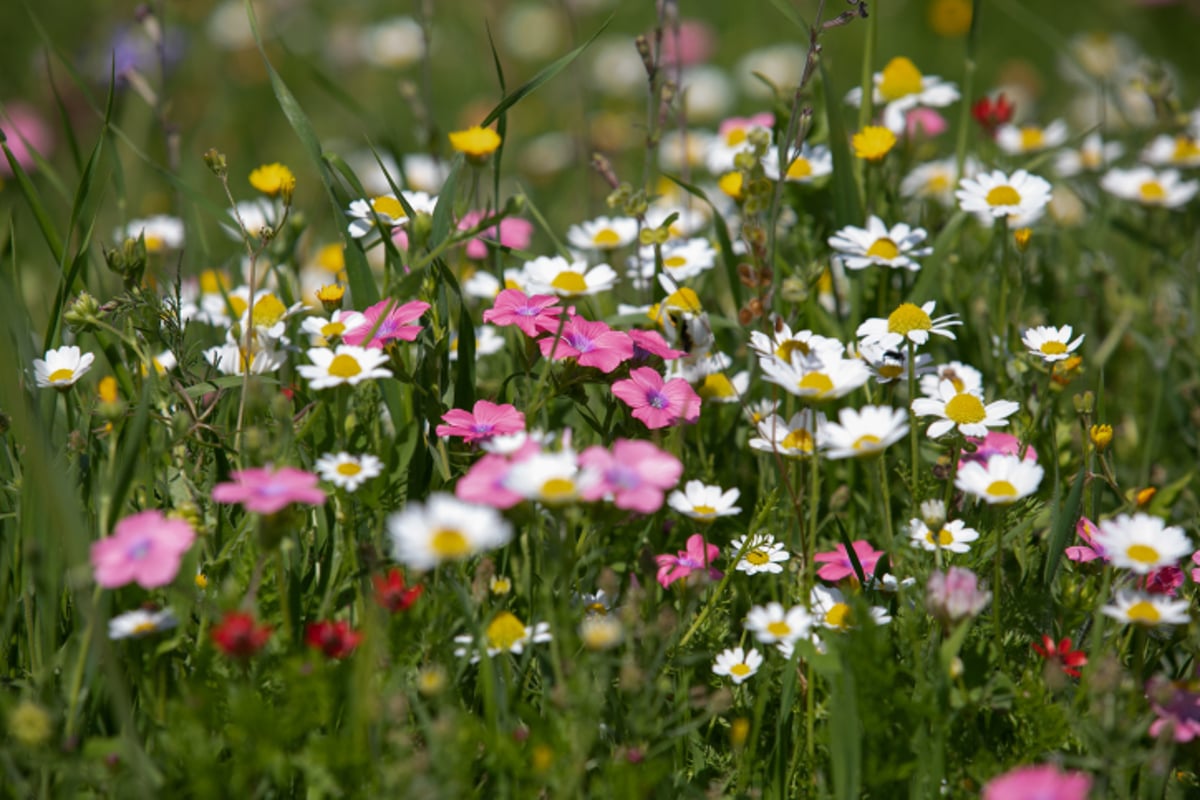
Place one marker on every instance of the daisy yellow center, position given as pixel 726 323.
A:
pixel 597 608
pixel 267 311
pixel 1089 158
pixel 900 78
pixel 799 169
pixel 825 283
pixel 62 375
pixel 1142 553
pixel 816 382
pixel 800 440
pixel 154 244
pixel 965 409
pixel 891 370
pixel 731 184
pixel 1001 489
pixel 942 538
pixel 1152 192
pixel 684 299
pixel 606 237
pixel 740 669
pixel 779 628
pixel 907 318
pixel 735 137
pixel 558 490
pixel 349 469
pixel 1053 348
pixel 1003 196
pixel 144 627
pixel 883 248
pixel 866 442
pixel 1031 138
pixel 331 329
pixel 388 207
pixel 1143 611
pixel 504 631
pixel 212 282
pixel 838 616
pixel 1186 148
pixel 570 282
pixel 703 510
pixel 758 557
pixel 717 385
pixel 784 351
pixel 344 366
pixel 674 261
pixel 449 543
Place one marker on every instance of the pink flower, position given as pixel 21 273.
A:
pixel 483 422
pixel 1164 580
pixel 763 120
pixel 651 343
pixel 533 315
pixel 996 443
pixel 1045 782
pixel 837 561
pixel 591 344
pixel 514 233
pixel 955 595
pixel 655 402
pixel 1178 709
pixel 26 134
pixel 1196 572
pixel 394 326
pixel 146 548
pixel 635 473
pixel 1086 529
pixel 265 490
pixel 695 45
pixel 698 556
pixel 925 121
pixel 486 483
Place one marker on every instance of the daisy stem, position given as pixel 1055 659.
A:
pixel 865 106
pixel 968 84
pixel 886 494
pixel 914 451
pixel 810 541
pixel 77 673
pixel 997 570
pixel 708 607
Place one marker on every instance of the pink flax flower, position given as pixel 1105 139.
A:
pixel 698 557
pixel 265 490
pixel 26 133
pixel 1196 571
pixel 635 474
pixel 996 444
pixel 1044 782
pixel 533 315
pixel 484 421
pixel 1086 529
pixel 1177 705
pixel 1164 580
pixel 655 402
pixel 514 233
pixel 591 344
pixel 837 561
pixel 146 547
pixel 651 343
pixel 395 326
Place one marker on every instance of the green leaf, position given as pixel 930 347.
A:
pixel 34 200
pixel 1064 523
pixel 444 209
pixel 847 204
pixel 845 737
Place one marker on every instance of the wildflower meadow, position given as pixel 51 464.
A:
pixel 778 399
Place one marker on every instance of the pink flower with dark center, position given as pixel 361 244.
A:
pixel 837 561
pixel 651 343
pixel 486 483
pixel 146 547
pixel 513 232
pixel 1044 782
pixel 484 421
pixel 533 315
pixel 655 402
pixel 396 325
pixel 635 474
pixel 591 344
pixel 1086 529
pixel 1164 580
pixel 994 444
pixel 265 490
pixel 697 558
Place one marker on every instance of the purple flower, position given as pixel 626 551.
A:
pixel 145 548
pixel 591 344
pixel 698 556
pixel 264 490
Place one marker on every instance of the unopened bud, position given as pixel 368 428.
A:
pixel 215 161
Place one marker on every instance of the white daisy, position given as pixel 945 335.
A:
pixel 894 247
pixel 733 137
pixel 1019 140
pixel 817 379
pixel 760 554
pixel 161 232
pixel 1140 608
pixel 689 219
pixel 858 434
pixel 329 331
pixel 599 632
pixel 1004 479
pixel 783 345
pixel 951 537
pixel 1093 154
pixel 964 377
pixel 908 322
pixel 347 471
pixel 556 275
pixel 703 502
pixel 1173 151
pixel 444 528
pixel 737 664
pixel 232 358
pixel 901 87
pixel 718 387
pixel 1144 185
pixel 386 211
pixel 140 622
pixel 770 624
pixel 346 364
pixel 830 609
pixel 269 315
pixel 62 367
pixel 759 410
pixel 806 165
pixel 796 438
pixel 1051 344
pixel 603 233
pixel 1141 543
pixel 504 634
pixel 1020 197
pixel 683 259
pixel 935 180
pixel 891 364
pixel 553 478
pixel 962 410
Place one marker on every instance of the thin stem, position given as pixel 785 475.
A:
pixel 914 449
pixel 968 84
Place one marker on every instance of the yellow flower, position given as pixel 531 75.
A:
pixel 1144 497
pixel 29 724
pixel 201 580
pixel 731 184
pixel 330 297
pixel 873 142
pixel 739 731
pixel 1022 236
pixel 475 143
pixel 273 179
pixel 950 18
pixel 1101 436
pixel 108 389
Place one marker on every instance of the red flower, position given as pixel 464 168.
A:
pixel 1070 660
pixel 239 635
pixel 392 594
pixel 334 639
pixel 991 113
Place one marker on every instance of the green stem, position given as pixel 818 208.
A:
pixel 886 494
pixel 77 673
pixel 914 450
pixel 867 82
pixel 968 85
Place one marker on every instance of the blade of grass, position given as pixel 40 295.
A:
pixel 1064 523
pixel 847 198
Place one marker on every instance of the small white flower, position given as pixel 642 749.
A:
pixel 952 537
pixel 830 609
pixel 964 378
pixel 62 367
pixel 909 322
pixel 1173 151
pixel 703 502
pixel 347 471
pixel 601 632
pixel 962 410
pixel 760 554
pixel 867 432
pixel 1147 609
pixel 737 664
pixel 234 359
pixel 733 137
pixel 784 346
pixel 771 624
pixel 891 364
pixel 894 247
pixel 935 180
pixel 348 364
pixel 504 634
pixel 1004 479
pixel 1141 543
pixel 1019 140
pixel 816 379
pixel 683 259
pixel 161 232
pixel 1020 198
pixel 325 331
pixel 795 438
pixel 140 622
pixel 603 233
pixel 386 211
pixel 1144 185
pixel 556 275
pixel 553 478
pixel 1051 344
pixel 804 166
pixel 1093 154
pixel 487 342
pixel 720 388
pixel 901 87
pixel 444 528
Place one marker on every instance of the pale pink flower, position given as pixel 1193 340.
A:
pixel 652 343
pixel 655 402
pixel 996 443
pixel 265 490
pixel 1087 530
pixel 26 133
pixel 1044 782
pixel 955 595
pixel 635 474
pixel 591 344
pixel 396 325
pixel 696 42
pixel 1196 572
pixel 1177 707
pixel 486 483
pixel 513 232
pixel 533 315
pixel 484 421
pixel 146 547
pixel 698 557
pixel 837 561
pixel 924 121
